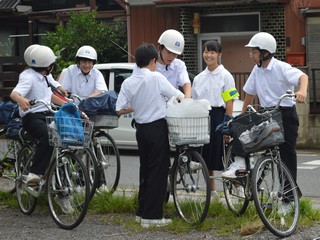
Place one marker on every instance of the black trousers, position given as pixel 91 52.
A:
pixel 154 152
pixel 288 152
pixel 35 124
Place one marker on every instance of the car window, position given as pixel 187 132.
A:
pixel 120 76
pixel 106 75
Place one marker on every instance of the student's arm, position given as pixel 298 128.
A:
pixel 301 94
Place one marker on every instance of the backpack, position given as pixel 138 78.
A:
pixel 8 111
pixel 13 128
pixel 69 125
pixel 103 104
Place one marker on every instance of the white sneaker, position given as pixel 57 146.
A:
pixel 138 219
pixel 103 188
pixel 155 222
pixel 64 203
pixel 284 208
pixel 195 166
pixel 31 178
pixel 238 164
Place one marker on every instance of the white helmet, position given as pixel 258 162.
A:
pixel 87 52
pixel 27 53
pixel 172 40
pixel 41 56
pixel 263 41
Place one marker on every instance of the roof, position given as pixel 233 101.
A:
pixel 8 5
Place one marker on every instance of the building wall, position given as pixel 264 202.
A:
pixel 272 21
pixel 147 24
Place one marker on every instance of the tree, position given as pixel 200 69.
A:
pixel 109 40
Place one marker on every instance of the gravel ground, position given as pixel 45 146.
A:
pixel 39 225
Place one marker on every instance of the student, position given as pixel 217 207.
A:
pixel 34 84
pixel 81 78
pixel 145 93
pixel 215 84
pixel 269 80
pixel 171 45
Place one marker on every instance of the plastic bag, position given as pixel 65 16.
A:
pixel 69 124
pixel 188 108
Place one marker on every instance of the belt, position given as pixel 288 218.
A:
pixel 146 124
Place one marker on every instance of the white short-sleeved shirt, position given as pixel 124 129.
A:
pixel 270 83
pixel 209 85
pixel 32 85
pixel 176 72
pixel 145 91
pixel 74 81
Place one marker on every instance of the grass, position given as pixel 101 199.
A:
pixel 120 208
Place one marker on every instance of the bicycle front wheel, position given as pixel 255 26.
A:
pixel 109 161
pixel 68 190
pixel 191 186
pixel 234 189
pixel 27 202
pixel 275 195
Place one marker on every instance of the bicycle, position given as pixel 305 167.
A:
pixel 7 164
pixel 66 177
pixel 188 179
pixel 266 180
pixel 105 167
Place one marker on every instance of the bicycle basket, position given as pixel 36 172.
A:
pixel 258 131
pixel 188 130
pixel 68 131
pixel 104 121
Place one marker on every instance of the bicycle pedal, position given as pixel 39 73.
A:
pixel 241 173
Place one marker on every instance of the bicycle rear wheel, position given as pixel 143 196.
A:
pixel 191 186
pixel 275 195
pixel 27 202
pixel 234 189
pixel 109 161
pixel 68 190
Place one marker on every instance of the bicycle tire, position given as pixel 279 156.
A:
pixel 234 189
pixel 108 157
pixel 271 194
pixel 90 160
pixel 26 201
pixel 191 188
pixel 68 181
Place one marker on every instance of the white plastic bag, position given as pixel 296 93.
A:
pixel 188 108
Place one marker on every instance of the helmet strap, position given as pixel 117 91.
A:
pixel 161 47
pixel 263 57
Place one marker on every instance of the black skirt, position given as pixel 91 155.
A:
pixel 212 152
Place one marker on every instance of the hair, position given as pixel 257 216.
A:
pixel 144 54
pixel 212 45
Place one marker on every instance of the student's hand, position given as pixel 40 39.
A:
pixel 64 92
pixel 301 96
pixel 24 103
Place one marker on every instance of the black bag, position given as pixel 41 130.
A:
pixel 103 104
pixel 8 111
pixel 13 128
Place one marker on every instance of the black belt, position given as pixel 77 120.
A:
pixel 146 124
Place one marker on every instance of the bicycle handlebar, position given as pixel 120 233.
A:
pixel 287 94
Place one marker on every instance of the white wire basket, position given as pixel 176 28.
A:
pixel 104 121
pixel 189 130
pixel 68 131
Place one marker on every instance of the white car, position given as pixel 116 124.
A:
pixel 114 74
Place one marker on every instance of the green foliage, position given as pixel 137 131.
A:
pixel 84 29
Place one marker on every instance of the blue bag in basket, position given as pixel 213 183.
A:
pixel 69 124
